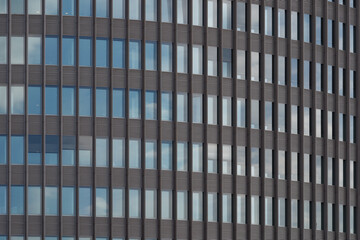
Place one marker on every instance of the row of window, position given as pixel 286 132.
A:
pixel 101 202
pixel 333 170
pixel 118 60
pixel 167 109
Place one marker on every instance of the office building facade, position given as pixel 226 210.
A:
pixel 179 119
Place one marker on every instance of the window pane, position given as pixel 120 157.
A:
pixel 182 156
pixel 166 57
pixel 227 210
pixel 118 203
pixel 227 62
pixel 102 102
pixel 151 55
pixel 51 7
pixel 134 104
pixel 182 104
pixel 68 101
pixel 3 49
pixel 212 13
pixel 68 150
pixel 294 25
pixel 281 117
pixel 17 200
pixel 35 150
pixel 197 155
pixel 52 50
pixel 150 204
pixel 52 150
pixel 68 201
pixel 102 202
pixel 166 156
pixel 134 54
pixel 135 9
pixel 102 8
pixel 17 6
pixel 85 51
pixel 294 72
pixel 85 8
pixel 255 112
pixel 17 149
pixel 212 61
pixel 17 100
pixel 34 50
pixel 3 149
pixel 318 30
pixel 85 203
pixel 255 66
pixel 282 212
pixel 268 116
pixel 118 153
pixel 241 112
pixel 51 201
pixel 134 203
pixel 182 11
pixel 51 100
pixel 241 209
pixel 102 52
pixel 68 51
pixel 17 50
pixel 68 7
pixel 255 210
pixel 197 108
pixel 212 158
pixel 197 59
pixel 282 70
pixel 227 16
pixel 166 106
pixel 134 154
pixel 255 16
pixel 227 159
pixel 182 58
pixel 307 75
pixel 197 206
pixel 166 204
pixel 85 101
pixel 212 207
pixel 166 8
pixel 282 165
pixel 182 205
pixel 151 10
pixel 307 28
pixel 212 110
pixel 34 99
pixel 197 12
pixel 118 8
pixel 3 200
pixel 151 106
pixel 269 21
pixel 102 152
pixel 3 7
pixel 150 154
pixel 118 103
pixel 282 23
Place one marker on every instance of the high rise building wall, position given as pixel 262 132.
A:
pixel 179 119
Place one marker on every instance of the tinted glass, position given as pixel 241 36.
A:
pixel 3 200
pixel 17 100
pixel 102 202
pixel 85 203
pixel 151 106
pixel 34 50
pixel 17 6
pixel 68 51
pixel 85 51
pixel 51 7
pixel 51 50
pixel 134 104
pixel 51 100
pixel 85 8
pixel 118 103
pixel 102 52
pixel 52 150
pixel 151 56
pixel 17 149
pixel 17 50
pixel 102 152
pixel 102 8
pixel 118 8
pixel 118 153
pixel 68 201
pixel 151 10
pixel 68 150
pixel 3 149
pixel 68 7
pixel 34 99
pixel 134 54
pixel 17 200
pixel 85 102
pixel 118 203
pixel 135 9
pixel 102 102
pixel 35 150
pixel 68 101
pixel 118 53
pixel 3 50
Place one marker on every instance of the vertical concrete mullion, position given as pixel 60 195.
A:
pixel 94 122
pixel 110 137
pixel 43 121
pixel 61 123
pixel 26 173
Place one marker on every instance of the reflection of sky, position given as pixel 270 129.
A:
pixel 118 202
pixel 102 200
pixel 34 50
pixel 118 153
pixel 150 152
pixel 134 203
pixel 102 153
pixel 134 54
pixel 102 8
pixel 3 99
pixel 197 157
pixel 166 155
pixel 150 204
pixel 17 100
pixel 135 9
pixel 166 106
pixel 150 101
pixel 85 201
pixel 51 200
pixel 151 10
pixel 150 55
pixel 182 156
pixel 166 206
pixel 134 154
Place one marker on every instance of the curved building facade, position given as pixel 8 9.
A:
pixel 179 119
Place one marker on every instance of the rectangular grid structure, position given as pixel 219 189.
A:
pixel 294 199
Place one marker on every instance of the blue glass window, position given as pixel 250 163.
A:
pixel 51 201
pixel 118 53
pixel 150 105
pixel 118 153
pixel 3 149
pixel 85 101
pixel 151 56
pixel 3 200
pixel 51 7
pixel 68 150
pixel 102 202
pixel 34 7
pixel 35 149
pixel 17 6
pixel 51 50
pixel 166 156
pixel 294 72
pixel 118 203
pixel 135 9
pixel 166 106
pixel 118 8
pixel 34 200
pixel 85 201
pixel 102 102
pixel 307 28
pixel 17 99
pixel 17 149
pixel 134 104
pixel 85 8
pixel 134 153
pixel 51 100
pixel 68 7
pixel 34 50
pixel 52 150
pixel 17 200
pixel 166 11
pixel 3 100
pixel 17 50
pixel 102 152
pixel 134 54
pixel 68 201
pixel 68 101
pixel 166 57
pixel 85 51
pixel 150 154
pixel 150 10
pixel 102 8
pixel 3 49
pixel 102 52
pixel 182 58
pixel 85 151
pixel 118 103
pixel 34 99
pixel 68 51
